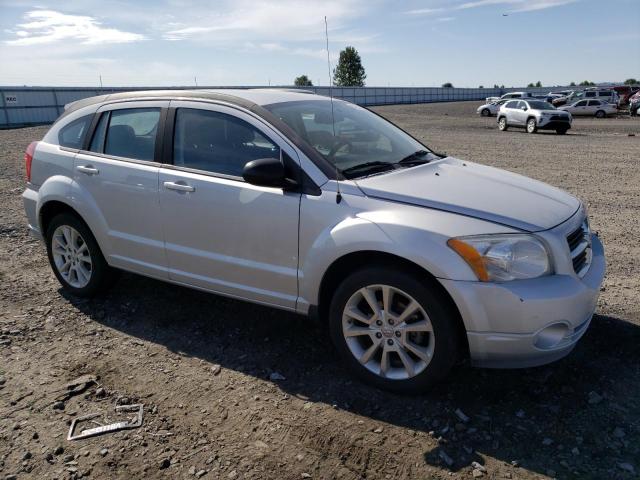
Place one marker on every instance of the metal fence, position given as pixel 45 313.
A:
pixel 22 106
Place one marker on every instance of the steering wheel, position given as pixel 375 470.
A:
pixel 336 148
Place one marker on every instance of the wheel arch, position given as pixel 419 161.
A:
pixel 350 262
pixel 50 209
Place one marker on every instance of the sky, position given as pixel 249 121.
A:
pixel 269 42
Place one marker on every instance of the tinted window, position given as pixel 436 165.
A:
pixel 511 104
pixel 538 105
pixel 583 103
pixel 72 135
pixel 590 94
pixel 132 133
pixel 606 93
pixel 594 102
pixel 217 142
pixel 97 143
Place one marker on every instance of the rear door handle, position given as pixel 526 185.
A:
pixel 88 169
pixel 180 187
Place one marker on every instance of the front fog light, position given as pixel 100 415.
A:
pixel 501 258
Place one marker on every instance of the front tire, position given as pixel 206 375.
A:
pixel 392 330
pixel 485 112
pixel 532 126
pixel 502 124
pixel 561 131
pixel 600 114
pixel 75 257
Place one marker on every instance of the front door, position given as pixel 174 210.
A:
pixel 221 233
pixel 119 173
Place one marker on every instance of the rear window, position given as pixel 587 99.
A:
pixel 72 135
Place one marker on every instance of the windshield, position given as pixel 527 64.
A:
pixel 540 105
pixel 361 137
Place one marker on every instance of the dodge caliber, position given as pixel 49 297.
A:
pixel 413 259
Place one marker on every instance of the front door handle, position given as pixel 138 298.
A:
pixel 88 169
pixel 180 187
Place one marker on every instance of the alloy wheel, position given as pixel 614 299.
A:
pixel 388 332
pixel 71 256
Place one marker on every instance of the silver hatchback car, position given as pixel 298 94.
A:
pixel 414 259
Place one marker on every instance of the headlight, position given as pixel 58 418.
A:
pixel 500 258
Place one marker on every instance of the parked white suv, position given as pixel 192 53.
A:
pixel 533 115
pixel 412 258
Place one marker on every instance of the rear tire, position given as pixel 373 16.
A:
pixel 381 347
pixel 75 257
pixel 532 126
pixel 502 124
pixel 485 112
pixel 561 131
pixel 600 114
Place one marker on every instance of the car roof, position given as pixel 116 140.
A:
pixel 244 97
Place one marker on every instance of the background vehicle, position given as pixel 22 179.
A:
pixel 509 95
pixel 625 92
pixel 533 115
pixel 237 193
pixel 595 108
pixel 603 94
pixel 490 108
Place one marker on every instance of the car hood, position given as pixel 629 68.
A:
pixel 477 191
pixel 550 112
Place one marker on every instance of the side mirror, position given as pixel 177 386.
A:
pixel 265 172
pixel 524 109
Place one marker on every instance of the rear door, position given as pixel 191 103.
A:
pixel 221 233
pixel 119 172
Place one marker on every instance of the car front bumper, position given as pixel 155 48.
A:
pixel 544 124
pixel 528 322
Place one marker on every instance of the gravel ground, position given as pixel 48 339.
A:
pixel 233 391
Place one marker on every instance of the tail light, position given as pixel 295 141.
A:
pixel 28 158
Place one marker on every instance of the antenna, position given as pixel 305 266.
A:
pixel 333 118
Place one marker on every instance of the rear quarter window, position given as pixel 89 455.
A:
pixel 73 134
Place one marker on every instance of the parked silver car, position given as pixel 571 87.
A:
pixel 595 108
pixel 533 115
pixel 413 259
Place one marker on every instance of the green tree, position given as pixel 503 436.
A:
pixel 447 85
pixel 530 85
pixel 572 84
pixel 586 83
pixel 481 86
pixel 302 81
pixel 538 84
pixel 349 72
pixel 631 81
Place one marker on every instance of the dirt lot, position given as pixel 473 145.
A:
pixel 205 366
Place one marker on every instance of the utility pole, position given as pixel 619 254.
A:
pixel 100 81
pixel 195 79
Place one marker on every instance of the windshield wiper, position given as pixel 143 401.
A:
pixel 414 158
pixel 366 168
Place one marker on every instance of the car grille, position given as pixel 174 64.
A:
pixel 580 247
pixel 561 118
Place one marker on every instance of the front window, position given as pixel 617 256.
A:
pixel 218 143
pixel 350 137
